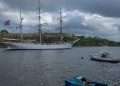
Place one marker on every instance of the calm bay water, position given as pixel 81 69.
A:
pixel 51 68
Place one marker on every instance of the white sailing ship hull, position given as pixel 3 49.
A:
pixel 35 46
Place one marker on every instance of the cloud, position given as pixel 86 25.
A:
pixel 83 17
pixel 98 25
pixel 103 7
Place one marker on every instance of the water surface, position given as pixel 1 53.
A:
pixel 52 67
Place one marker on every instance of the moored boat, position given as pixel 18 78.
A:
pixel 105 60
pixel 81 81
pixel 39 46
pixel 104 57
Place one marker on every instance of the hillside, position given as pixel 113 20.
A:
pixel 92 41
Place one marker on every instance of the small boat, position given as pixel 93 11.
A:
pixel 105 60
pixel 104 57
pixel 81 81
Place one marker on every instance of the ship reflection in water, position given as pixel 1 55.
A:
pixel 52 67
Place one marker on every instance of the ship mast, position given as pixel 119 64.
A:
pixel 61 26
pixel 21 26
pixel 39 25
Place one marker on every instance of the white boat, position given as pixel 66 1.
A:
pixel 38 46
pixel 104 57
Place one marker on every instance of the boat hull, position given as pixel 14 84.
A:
pixel 105 60
pixel 82 81
pixel 37 46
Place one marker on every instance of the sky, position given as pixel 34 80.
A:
pixel 99 18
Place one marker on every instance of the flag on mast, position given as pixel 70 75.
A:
pixel 7 23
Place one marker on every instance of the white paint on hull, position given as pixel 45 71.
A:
pixel 37 46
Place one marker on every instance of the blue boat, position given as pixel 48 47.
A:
pixel 81 81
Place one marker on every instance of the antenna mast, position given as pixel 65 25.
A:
pixel 39 25
pixel 61 26
pixel 21 26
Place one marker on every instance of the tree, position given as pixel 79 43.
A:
pixel 3 33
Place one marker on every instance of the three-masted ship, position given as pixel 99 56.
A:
pixel 39 46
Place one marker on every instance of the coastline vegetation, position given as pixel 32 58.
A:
pixel 95 41
pixel 91 41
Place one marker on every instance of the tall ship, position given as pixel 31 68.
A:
pixel 39 45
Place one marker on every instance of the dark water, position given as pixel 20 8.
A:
pixel 51 68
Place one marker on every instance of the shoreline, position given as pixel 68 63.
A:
pixel 2 45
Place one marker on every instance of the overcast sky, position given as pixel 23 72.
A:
pixel 83 17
